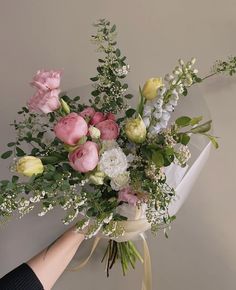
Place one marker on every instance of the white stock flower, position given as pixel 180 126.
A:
pixel 120 181
pixel 113 162
pixel 146 121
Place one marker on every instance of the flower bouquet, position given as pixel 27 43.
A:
pixel 105 163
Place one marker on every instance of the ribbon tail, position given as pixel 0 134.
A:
pixel 95 243
pixel 147 266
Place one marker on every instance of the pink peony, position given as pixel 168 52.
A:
pixel 109 129
pixel 85 157
pixel 47 80
pixel 97 118
pixel 128 195
pixel 111 116
pixel 71 128
pixel 45 102
pixel 87 112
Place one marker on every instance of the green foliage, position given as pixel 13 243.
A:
pixel 6 154
pixel 109 93
pixel 183 121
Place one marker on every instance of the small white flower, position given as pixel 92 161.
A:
pixel 181 62
pixel 168 77
pixel 113 162
pixel 154 130
pixel 146 121
pixel 157 114
pixel 165 116
pixel 168 107
pixel 159 103
pixel 147 111
pixel 163 123
pixel 193 60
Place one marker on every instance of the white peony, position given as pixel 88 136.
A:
pixel 113 162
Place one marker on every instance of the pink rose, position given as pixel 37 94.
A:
pixel 128 195
pixel 87 112
pixel 109 129
pixel 111 116
pixel 47 80
pixel 97 118
pixel 85 157
pixel 71 128
pixel 44 102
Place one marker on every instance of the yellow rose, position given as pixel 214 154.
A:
pixel 135 130
pixel 29 165
pixel 149 90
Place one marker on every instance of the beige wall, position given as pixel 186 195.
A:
pixel 200 253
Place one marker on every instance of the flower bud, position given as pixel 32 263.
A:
pixel 149 90
pixel 94 132
pixel 29 165
pixel 193 60
pixel 65 106
pixel 135 130
pixel 97 177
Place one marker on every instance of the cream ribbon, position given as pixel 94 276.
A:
pixel 132 229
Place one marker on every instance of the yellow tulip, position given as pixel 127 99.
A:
pixel 29 165
pixel 135 130
pixel 149 90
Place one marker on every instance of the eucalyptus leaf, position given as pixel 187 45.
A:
pixel 158 158
pixel 6 154
pixel 203 128
pixel 183 121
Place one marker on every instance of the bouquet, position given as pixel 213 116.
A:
pixel 105 163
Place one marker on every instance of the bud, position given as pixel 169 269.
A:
pixel 135 130
pixel 94 132
pixel 181 62
pixel 193 60
pixel 29 165
pixel 149 90
pixel 65 106
pixel 97 177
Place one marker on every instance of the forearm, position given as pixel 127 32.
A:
pixel 49 264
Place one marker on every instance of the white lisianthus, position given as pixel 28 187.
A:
pixel 120 181
pixel 113 162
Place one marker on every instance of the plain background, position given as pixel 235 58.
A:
pixel 200 253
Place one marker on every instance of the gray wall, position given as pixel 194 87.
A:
pixel 200 253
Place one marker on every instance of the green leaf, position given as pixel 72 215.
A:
pixel 113 28
pixel 117 52
pixel 11 144
pixel 19 152
pixel 95 93
pixel 198 80
pixel 6 154
pixel 213 141
pixel 185 92
pixel 125 86
pixel 130 112
pixel 158 158
pixel 203 128
pixel 183 121
pixel 128 96
pixel 94 79
pixel 14 179
pixel 196 120
pixel 76 99
pixel 184 138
